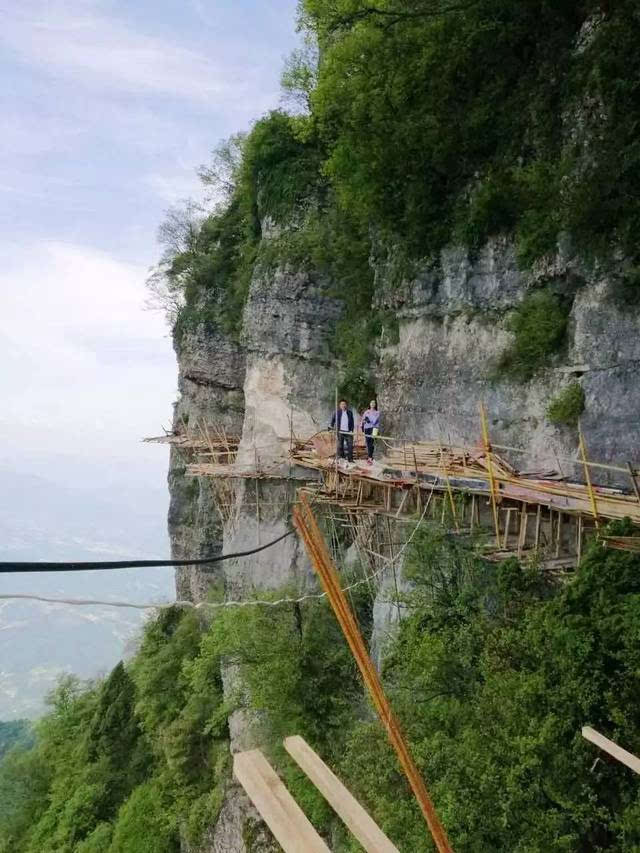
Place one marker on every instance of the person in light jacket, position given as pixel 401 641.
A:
pixel 370 427
pixel 343 423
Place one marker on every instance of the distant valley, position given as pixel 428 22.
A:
pixel 41 519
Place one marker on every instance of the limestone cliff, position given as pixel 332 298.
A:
pixel 279 376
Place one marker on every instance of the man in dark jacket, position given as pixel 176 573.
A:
pixel 343 423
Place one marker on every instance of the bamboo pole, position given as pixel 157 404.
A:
pixel 487 449
pixel 587 474
pixel 337 434
pixel 450 491
pixel 307 526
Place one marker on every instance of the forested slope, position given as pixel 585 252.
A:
pixel 493 673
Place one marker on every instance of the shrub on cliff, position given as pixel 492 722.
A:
pixel 565 409
pixel 538 325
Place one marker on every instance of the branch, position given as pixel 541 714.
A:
pixel 392 18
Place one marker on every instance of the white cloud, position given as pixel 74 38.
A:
pixel 85 365
pixel 77 39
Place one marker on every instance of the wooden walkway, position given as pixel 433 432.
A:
pixel 535 510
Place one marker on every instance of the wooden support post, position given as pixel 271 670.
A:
pixel 559 534
pixel 418 493
pixel 492 482
pixel 523 529
pixel 276 806
pixel 473 510
pixel 579 537
pixel 507 525
pixel 255 457
pixel 449 492
pixel 587 476
pixel 339 797
pixel 393 566
pixel 538 522
pixel 612 748
pixel 405 495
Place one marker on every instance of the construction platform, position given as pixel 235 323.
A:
pixel 472 489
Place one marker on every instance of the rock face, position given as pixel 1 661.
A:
pixel 279 379
pixel 211 369
pixel 452 324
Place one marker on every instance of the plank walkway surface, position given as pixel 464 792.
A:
pixel 284 817
pixel 339 797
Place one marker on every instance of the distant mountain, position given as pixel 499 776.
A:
pixel 46 520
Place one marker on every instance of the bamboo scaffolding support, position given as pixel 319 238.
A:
pixel 307 526
pixel 587 475
pixel 579 538
pixel 487 447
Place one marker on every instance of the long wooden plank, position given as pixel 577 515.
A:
pixel 339 798
pixel 612 748
pixel 276 806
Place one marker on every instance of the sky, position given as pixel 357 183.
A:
pixel 107 110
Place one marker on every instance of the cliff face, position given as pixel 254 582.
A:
pixel 453 330
pixel 280 377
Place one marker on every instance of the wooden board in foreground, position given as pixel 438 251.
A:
pixel 339 798
pixel 276 806
pixel 612 748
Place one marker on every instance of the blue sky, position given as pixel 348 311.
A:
pixel 107 109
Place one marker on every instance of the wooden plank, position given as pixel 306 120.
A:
pixel 276 806
pixel 612 748
pixel 339 798
pixel 634 481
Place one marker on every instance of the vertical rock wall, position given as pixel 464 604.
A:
pixel 452 330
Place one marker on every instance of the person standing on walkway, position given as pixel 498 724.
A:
pixel 343 422
pixel 370 428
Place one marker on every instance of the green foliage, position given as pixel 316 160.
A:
pixel 129 764
pixel 14 733
pixel 300 678
pixel 445 122
pixel 494 674
pixel 628 289
pixel 270 174
pixel 98 841
pixel 539 326
pixel 416 103
pixel 565 409
pixel 145 824
pixel 423 123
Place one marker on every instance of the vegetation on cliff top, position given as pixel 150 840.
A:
pixel 422 123
pixel 493 673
